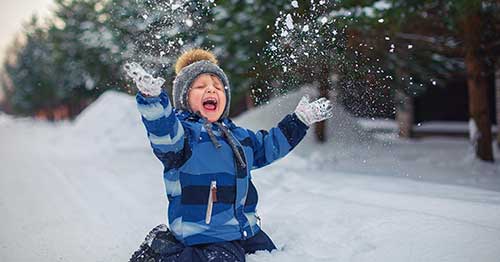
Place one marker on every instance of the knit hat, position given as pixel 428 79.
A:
pixel 188 67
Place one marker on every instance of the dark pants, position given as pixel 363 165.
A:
pixel 161 246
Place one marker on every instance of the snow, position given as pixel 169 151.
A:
pixel 90 191
pixel 378 124
pixel 4 118
pixel 289 22
pixel 389 125
pixel 382 5
pixel 189 22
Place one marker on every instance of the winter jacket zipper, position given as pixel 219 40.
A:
pixel 242 160
pixel 212 197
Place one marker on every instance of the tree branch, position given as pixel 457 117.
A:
pixel 434 44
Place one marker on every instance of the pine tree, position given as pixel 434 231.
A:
pixel 85 44
pixel 32 74
pixel 452 35
pixel 238 34
pixel 264 56
pixel 154 33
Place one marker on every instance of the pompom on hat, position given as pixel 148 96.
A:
pixel 188 67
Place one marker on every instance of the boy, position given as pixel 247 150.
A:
pixel 207 161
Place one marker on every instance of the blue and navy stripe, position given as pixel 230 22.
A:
pixel 191 162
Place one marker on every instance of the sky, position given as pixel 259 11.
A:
pixel 14 13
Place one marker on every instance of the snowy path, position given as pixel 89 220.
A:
pixel 60 206
pixel 350 217
pixel 91 191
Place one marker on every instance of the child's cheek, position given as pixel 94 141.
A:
pixel 194 100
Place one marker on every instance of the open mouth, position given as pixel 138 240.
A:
pixel 210 104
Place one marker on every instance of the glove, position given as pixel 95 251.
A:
pixel 312 112
pixel 146 84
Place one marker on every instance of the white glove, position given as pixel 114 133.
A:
pixel 145 82
pixel 312 112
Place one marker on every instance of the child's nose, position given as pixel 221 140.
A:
pixel 210 89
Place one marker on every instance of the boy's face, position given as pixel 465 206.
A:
pixel 207 95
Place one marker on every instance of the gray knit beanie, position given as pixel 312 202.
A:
pixel 188 74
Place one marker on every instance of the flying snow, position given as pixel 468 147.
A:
pixel 289 21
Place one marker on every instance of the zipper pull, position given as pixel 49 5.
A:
pixel 213 190
pixel 212 197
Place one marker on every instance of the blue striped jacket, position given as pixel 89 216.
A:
pixel 211 197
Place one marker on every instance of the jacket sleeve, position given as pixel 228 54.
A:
pixel 165 131
pixel 269 146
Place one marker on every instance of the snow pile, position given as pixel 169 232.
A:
pixel 111 123
pixel 342 126
pixel 355 198
pixel 4 118
pixel 378 124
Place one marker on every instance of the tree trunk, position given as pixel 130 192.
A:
pixel 497 104
pixel 404 114
pixel 477 86
pixel 320 127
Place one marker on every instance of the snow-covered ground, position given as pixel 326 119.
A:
pixel 91 190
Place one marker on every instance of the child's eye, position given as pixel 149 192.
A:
pixel 218 86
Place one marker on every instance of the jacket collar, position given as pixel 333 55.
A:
pixel 190 116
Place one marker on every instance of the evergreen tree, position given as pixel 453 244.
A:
pixel 86 42
pixel 239 34
pixel 32 74
pixel 452 35
pixel 154 32
pixel 83 49
pixel 309 45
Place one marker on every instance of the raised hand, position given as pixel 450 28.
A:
pixel 312 112
pixel 147 84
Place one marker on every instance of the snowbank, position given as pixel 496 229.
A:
pixel 342 125
pixel 111 123
pixel 4 118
